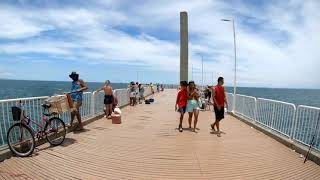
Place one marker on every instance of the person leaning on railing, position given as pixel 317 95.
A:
pixel 77 88
pixel 108 98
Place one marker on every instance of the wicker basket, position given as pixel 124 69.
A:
pixel 59 104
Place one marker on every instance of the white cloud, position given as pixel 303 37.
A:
pixel 281 51
pixel 6 74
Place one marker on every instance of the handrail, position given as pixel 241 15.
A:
pixel 271 100
pixel 305 125
pixel 283 118
pixel 92 106
pixel 27 98
pixel 294 123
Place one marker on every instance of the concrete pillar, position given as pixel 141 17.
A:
pixel 183 46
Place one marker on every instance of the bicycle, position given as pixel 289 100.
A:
pixel 21 135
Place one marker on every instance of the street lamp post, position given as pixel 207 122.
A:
pixel 202 72
pixel 137 76
pixel 212 79
pixel 192 72
pixel 235 65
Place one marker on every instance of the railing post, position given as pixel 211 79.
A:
pixel 294 124
pixel 255 110
pixel 272 117
pixel 234 104
pixel 93 103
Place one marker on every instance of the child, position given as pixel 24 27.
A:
pixel 181 103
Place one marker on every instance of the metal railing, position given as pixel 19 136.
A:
pixel 276 115
pixel 298 124
pixel 246 106
pixel 230 101
pixel 31 105
pixel 307 125
pixel 92 106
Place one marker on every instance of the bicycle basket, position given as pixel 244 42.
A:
pixel 16 113
pixel 59 104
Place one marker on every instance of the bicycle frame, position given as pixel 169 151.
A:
pixel 28 120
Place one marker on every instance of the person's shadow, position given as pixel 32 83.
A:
pixel 76 131
pixel 216 132
pixel 187 129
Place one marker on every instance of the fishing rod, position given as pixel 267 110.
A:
pixel 312 140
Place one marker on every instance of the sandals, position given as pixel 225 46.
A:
pixel 212 127
pixel 180 129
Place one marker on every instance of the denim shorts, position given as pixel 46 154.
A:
pixel 182 110
pixel 192 105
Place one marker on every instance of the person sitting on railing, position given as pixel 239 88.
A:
pixel 77 88
pixel 219 99
pixel 108 98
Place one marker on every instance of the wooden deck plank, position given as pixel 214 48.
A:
pixel 148 146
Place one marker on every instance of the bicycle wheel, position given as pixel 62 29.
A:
pixel 56 131
pixel 21 140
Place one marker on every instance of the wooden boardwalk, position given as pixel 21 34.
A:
pixel 148 146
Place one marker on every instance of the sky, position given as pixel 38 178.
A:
pixel 125 40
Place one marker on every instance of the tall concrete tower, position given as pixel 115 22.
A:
pixel 183 46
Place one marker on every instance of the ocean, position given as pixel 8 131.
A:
pixel 11 89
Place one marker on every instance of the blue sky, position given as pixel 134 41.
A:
pixel 122 40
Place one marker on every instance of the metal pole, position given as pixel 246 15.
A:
pixel 192 72
pixel 137 76
pixel 212 79
pixel 202 72
pixel 312 140
pixel 235 68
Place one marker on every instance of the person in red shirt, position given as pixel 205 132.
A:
pixel 181 103
pixel 219 100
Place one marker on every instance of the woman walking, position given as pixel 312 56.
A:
pixel 77 88
pixel 192 105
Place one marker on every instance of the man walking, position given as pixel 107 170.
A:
pixel 219 100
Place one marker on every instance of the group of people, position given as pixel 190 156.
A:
pixel 77 88
pixel 188 99
pixel 136 93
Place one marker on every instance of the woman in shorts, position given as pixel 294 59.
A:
pixel 192 104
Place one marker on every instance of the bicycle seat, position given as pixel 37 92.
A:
pixel 46 106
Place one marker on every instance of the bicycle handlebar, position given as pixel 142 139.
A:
pixel 72 92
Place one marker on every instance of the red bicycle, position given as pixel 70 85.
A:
pixel 21 136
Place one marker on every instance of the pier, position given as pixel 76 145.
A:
pixel 147 145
